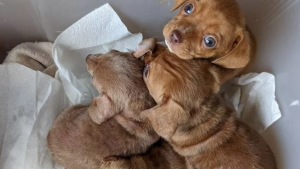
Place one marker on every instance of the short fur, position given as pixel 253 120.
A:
pixel 78 142
pixel 194 119
pixel 160 156
pixel 222 19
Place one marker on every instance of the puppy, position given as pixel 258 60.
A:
pixel 82 136
pixel 194 120
pixel 211 29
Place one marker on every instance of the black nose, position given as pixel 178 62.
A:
pixel 86 59
pixel 176 36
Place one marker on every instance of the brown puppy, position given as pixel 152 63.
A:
pixel 77 142
pixel 194 120
pixel 211 29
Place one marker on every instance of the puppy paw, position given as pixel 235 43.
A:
pixel 111 158
pixel 114 158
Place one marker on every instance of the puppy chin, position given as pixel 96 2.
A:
pixel 168 45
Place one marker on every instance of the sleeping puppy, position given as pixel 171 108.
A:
pixel 194 119
pixel 210 29
pixel 82 136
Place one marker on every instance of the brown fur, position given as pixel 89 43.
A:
pixel 195 121
pixel 160 156
pixel 222 19
pixel 77 142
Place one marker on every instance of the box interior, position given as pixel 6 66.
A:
pixel 275 23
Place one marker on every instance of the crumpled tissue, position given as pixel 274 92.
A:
pixel 253 97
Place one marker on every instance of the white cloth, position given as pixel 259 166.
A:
pixel 35 55
pixel 30 101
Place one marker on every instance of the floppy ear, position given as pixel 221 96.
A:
pixel 101 109
pixel 165 117
pixel 177 4
pixel 144 47
pixel 239 56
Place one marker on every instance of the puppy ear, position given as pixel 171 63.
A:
pixel 165 117
pixel 239 56
pixel 177 4
pixel 144 47
pixel 101 109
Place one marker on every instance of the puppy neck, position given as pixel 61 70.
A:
pixel 136 128
pixel 129 118
pixel 209 126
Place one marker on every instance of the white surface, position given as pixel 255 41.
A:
pixel 29 101
pixel 253 97
pixel 98 32
pixel 41 20
pixel 276 25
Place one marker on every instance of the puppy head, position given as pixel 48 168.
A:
pixel 118 78
pixel 213 29
pixel 178 86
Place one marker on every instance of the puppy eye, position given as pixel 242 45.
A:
pixel 146 71
pixel 209 42
pixel 188 8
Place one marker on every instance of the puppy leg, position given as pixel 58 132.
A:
pixel 111 158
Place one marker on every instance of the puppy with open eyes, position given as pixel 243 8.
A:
pixel 194 119
pixel 211 29
pixel 82 136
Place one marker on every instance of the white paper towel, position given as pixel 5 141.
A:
pixel 253 97
pixel 29 101
pixel 97 32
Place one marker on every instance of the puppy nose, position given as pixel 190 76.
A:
pixel 176 36
pixel 86 59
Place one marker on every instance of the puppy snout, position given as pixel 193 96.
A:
pixel 176 37
pixel 88 56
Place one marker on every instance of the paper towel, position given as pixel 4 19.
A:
pixel 97 32
pixel 29 101
pixel 253 97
